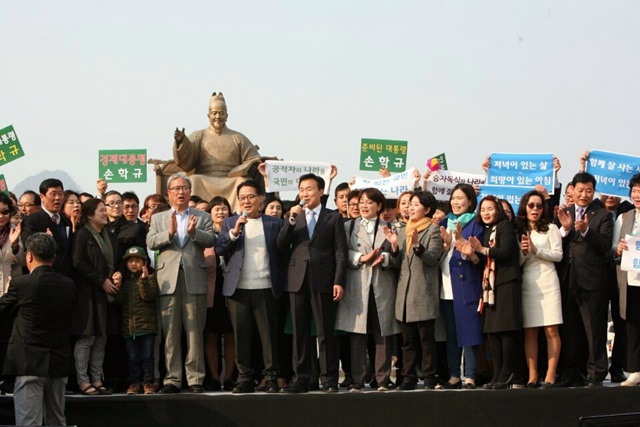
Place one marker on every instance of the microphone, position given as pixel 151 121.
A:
pixel 246 215
pixel 301 204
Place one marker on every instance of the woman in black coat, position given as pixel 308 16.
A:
pixel 95 261
pixel 502 289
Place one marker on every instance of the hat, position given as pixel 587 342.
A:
pixel 135 251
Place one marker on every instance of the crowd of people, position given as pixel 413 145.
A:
pixel 278 296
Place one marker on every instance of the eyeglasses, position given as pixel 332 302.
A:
pixel 533 206
pixel 249 197
pixel 133 206
pixel 5 212
pixel 114 204
pixel 353 205
pixel 25 205
pixel 179 188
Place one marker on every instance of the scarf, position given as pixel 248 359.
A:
pixel 419 226
pixel 489 274
pixel 463 219
pixel 104 243
pixel 4 233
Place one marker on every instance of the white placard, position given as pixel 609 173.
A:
pixel 284 175
pixel 631 258
pixel 441 182
pixel 391 186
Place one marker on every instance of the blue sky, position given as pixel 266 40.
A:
pixel 308 80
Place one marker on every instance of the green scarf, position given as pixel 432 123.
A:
pixel 463 219
pixel 104 243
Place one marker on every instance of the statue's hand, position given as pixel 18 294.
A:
pixel 178 135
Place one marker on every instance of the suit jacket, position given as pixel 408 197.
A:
pixel 39 343
pixel 191 252
pixel 322 258
pixel 583 264
pixel 233 252
pixel 40 222
pixel 353 308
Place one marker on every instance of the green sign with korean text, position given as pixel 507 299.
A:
pixel 122 165
pixel 10 148
pixel 378 153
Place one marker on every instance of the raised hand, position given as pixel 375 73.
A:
pixel 391 236
pixel 101 186
pixel 446 236
pixel 622 246
pixel 191 225
pixel 524 244
pixel 384 172
pixel 173 225
pixel 582 224
pixel 14 234
pixel 371 256
pixel 116 278
pixel 145 272
pixel 476 244
pixel 414 237
pixel 565 219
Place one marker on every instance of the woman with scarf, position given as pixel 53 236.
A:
pixel 95 261
pixel 501 301
pixel 369 296
pixel 417 249
pixel 461 287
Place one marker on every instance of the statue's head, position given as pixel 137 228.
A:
pixel 218 111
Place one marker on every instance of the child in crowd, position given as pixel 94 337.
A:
pixel 137 295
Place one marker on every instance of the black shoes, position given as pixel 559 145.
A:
pixel 356 387
pixel 452 386
pixel 618 377
pixel 430 383
pixel 594 383
pixel 272 387
pixel 227 385
pixel 386 386
pixel 244 387
pixel 196 388
pixel 296 387
pixel 169 389
pixel 406 386
pixel 330 387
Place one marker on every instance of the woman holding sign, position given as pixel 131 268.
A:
pixel 629 282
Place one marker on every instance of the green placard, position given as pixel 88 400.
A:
pixel 3 185
pixel 10 148
pixel 378 153
pixel 437 162
pixel 122 165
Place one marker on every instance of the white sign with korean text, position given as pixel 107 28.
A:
pixel 441 182
pixel 391 186
pixel 631 258
pixel 284 175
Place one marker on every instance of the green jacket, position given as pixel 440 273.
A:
pixel 138 299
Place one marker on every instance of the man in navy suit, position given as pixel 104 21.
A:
pixel 587 231
pixel 317 242
pixel 253 283
pixel 50 219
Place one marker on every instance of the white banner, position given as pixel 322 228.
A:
pixel 391 187
pixel 631 258
pixel 284 175
pixel 441 182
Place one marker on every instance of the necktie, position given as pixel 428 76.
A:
pixel 55 218
pixel 368 225
pixel 311 224
pixel 579 213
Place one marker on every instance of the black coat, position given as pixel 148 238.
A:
pixel 40 222
pixel 39 343
pixel 90 314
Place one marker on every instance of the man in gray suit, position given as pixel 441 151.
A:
pixel 180 235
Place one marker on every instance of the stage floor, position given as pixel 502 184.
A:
pixel 552 407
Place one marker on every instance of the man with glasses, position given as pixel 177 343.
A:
pixel 131 206
pixel 29 203
pixel 49 219
pixel 253 283
pixel 181 235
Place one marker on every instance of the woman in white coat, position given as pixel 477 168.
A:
pixel 367 305
pixel 541 248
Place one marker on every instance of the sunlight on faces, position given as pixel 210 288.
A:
pixel 274 209
pixel 113 204
pixel 310 193
pixel 341 200
pixel 250 201
pixel 583 194
pixel 52 199
pixel 131 209
pixel 368 208
pixel 535 209
pixel 99 218
pixel 403 205
pixel 72 206
pixel 218 115
pixel 488 212
pixel 459 202
pixel 416 210
pixel 27 204
pixel 179 193
pixel 218 214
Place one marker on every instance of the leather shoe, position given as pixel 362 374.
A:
pixel 618 377
pixel 244 387
pixel 169 389
pixel 347 382
pixel 196 388
pixel 296 387
pixel 594 383
pixel 272 387
pixel 452 386
pixel 534 385
pixel 330 387
pixel 406 385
